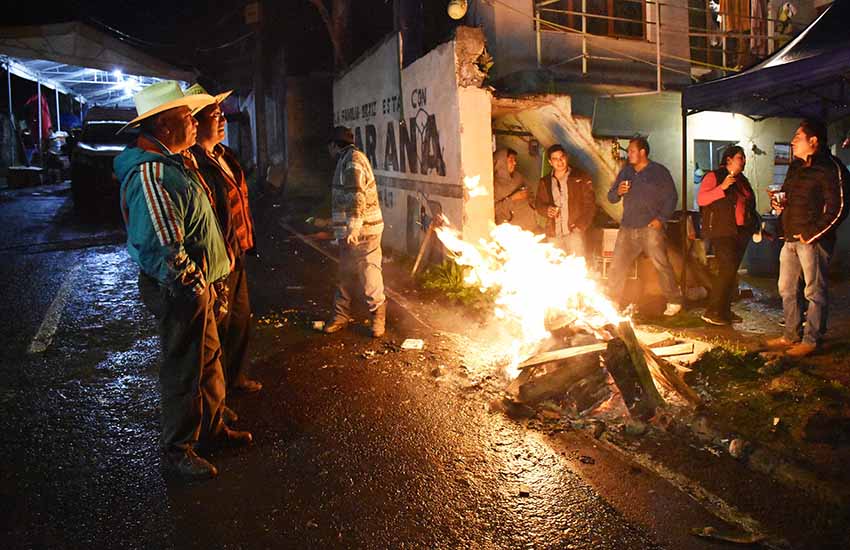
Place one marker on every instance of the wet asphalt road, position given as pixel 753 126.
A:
pixel 357 444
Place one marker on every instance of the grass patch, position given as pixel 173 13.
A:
pixel 729 362
pixel 448 278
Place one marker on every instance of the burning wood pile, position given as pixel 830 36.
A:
pixel 591 376
pixel 567 341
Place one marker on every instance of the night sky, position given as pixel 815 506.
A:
pixel 190 33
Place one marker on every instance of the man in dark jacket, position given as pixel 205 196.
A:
pixel 226 181
pixel 565 198
pixel 649 197
pixel 811 207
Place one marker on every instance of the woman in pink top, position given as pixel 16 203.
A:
pixel 729 219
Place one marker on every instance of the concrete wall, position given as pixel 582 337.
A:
pixel 422 138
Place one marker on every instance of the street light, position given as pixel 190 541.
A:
pixel 457 9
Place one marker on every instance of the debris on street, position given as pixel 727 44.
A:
pixel 413 343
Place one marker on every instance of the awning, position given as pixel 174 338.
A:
pixel 83 61
pixel 810 76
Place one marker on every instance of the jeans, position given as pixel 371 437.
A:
pixel 359 274
pixel 812 261
pixel 571 243
pixel 631 241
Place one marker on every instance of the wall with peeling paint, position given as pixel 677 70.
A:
pixel 422 137
pixel 551 120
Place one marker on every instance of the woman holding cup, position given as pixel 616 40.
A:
pixel 727 204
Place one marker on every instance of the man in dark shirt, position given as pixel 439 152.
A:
pixel 811 207
pixel 225 179
pixel 649 197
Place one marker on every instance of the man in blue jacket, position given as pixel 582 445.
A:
pixel 649 198
pixel 173 235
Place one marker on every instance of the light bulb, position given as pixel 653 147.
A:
pixel 457 9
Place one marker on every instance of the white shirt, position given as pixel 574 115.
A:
pixel 560 196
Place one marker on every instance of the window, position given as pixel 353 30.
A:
pixel 781 160
pixel 626 17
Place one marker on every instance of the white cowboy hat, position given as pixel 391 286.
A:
pixel 196 88
pixel 163 96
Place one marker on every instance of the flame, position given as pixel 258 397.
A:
pixel 535 283
pixel 474 187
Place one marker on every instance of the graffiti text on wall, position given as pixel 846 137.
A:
pixel 410 146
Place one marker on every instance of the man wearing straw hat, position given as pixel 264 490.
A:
pixel 226 180
pixel 173 236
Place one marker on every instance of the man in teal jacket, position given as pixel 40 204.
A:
pixel 173 235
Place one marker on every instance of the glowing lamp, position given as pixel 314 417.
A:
pixel 457 9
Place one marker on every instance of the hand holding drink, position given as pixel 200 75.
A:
pixel 728 181
pixel 777 197
pixel 624 187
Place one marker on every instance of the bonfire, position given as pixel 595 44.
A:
pixel 539 290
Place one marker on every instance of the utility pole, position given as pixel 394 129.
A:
pixel 254 15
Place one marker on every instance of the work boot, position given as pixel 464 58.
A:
pixel 246 385
pixel 228 415
pixel 191 466
pixel 338 323
pixel 379 321
pixel 228 437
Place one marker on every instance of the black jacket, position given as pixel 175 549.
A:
pixel 718 217
pixel 816 200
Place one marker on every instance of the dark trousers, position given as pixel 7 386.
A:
pixel 191 381
pixel 728 252
pixel 235 327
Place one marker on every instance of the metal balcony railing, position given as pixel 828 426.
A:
pixel 736 41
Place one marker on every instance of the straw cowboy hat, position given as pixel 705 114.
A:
pixel 162 96
pixel 196 89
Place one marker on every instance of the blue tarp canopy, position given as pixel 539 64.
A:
pixel 810 76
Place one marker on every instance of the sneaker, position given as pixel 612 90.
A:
pixel 228 415
pixel 672 309
pixel 246 385
pixel 191 466
pixel 779 343
pixel 801 350
pixel 713 319
pixel 338 323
